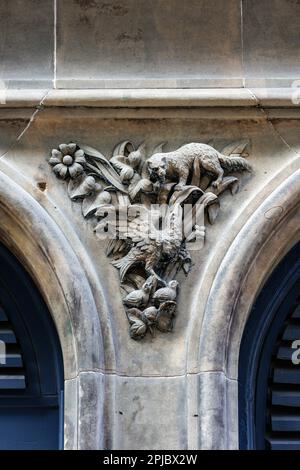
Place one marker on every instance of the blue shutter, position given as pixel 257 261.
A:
pixel 31 380
pixel 269 382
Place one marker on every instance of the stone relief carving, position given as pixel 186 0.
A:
pixel 149 207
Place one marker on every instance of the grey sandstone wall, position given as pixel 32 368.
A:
pixel 149 43
pixel 100 72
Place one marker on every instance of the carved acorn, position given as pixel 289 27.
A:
pixel 82 187
pixel 104 197
pixel 166 293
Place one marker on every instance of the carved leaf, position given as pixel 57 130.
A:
pixel 236 148
pixel 134 314
pixel 180 196
pixel 109 174
pixel 123 199
pixel 138 330
pixel 103 167
pixel 123 148
pixel 229 182
pixel 142 185
pixel 158 148
pixel 211 201
pixel 94 201
pixel 90 151
pixel 213 212
pixel 136 239
pixel 136 279
pixel 211 142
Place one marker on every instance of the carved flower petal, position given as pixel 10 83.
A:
pixel 75 170
pixel 57 154
pixel 64 149
pixel 54 160
pixel 60 170
pixel 71 148
pixel 79 153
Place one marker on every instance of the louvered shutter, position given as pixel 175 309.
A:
pixel 12 375
pixel 283 429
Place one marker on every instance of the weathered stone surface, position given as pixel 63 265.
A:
pixel 91 403
pixel 154 43
pixel 157 44
pixel 71 414
pixel 271 39
pixel 116 371
pixel 178 390
pixel 27 43
pixel 147 412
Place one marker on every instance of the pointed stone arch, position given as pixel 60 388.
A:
pixel 31 234
pixel 269 233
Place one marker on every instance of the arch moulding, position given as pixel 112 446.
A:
pixel 259 246
pixel 32 235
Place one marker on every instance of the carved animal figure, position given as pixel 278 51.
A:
pixel 178 164
pixel 166 293
pixel 161 317
pixel 138 298
pixel 147 253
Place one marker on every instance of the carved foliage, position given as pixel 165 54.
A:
pixel 147 255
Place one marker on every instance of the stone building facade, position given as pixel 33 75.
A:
pixel 110 75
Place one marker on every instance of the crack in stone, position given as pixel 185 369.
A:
pixel 39 107
pixel 276 132
pixel 254 97
pixel 271 125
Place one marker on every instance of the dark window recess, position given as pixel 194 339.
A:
pixel 269 381
pixel 12 373
pixel 31 379
pixel 283 403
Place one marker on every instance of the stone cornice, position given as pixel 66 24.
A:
pixel 152 98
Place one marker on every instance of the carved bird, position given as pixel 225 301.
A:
pixel 165 316
pixel 147 244
pixel 138 325
pixel 144 252
pixel 166 293
pixel 139 297
pixel 141 321
pixel 150 315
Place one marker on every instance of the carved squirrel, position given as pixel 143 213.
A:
pixel 178 164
